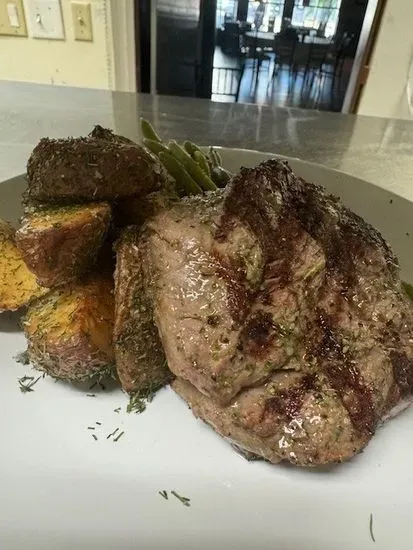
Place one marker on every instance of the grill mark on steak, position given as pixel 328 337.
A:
pixel 280 253
pixel 344 376
pixel 289 402
pixel 239 297
pixel 283 197
pixel 323 216
pixel 249 203
pixel 402 371
pixel 258 334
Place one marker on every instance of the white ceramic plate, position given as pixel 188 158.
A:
pixel 62 490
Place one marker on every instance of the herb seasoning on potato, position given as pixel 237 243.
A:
pixel 18 285
pixel 69 331
pixel 60 244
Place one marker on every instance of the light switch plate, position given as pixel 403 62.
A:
pixel 45 19
pixel 82 21
pixel 12 20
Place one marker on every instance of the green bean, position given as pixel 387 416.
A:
pixel 155 146
pixel 192 167
pixel 213 157
pixel 178 172
pixel 148 131
pixel 191 148
pixel 218 157
pixel 220 176
pixel 202 162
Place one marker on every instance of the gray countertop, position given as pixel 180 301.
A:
pixel 376 149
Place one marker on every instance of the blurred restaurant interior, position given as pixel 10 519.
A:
pixel 294 53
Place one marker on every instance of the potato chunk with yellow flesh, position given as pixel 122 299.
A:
pixel 18 285
pixel 70 330
pixel 60 244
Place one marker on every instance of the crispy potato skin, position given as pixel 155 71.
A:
pixel 18 285
pixel 61 244
pixel 70 330
pixel 140 360
pixel 91 169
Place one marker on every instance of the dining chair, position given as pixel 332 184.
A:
pixel 254 57
pixel 226 81
pixel 336 55
pixel 283 48
pixel 315 65
pixel 300 60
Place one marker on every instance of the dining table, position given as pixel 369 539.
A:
pixel 263 39
pixel 319 40
pixel 259 39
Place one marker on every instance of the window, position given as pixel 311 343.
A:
pixel 317 13
pixel 272 16
pixel 226 11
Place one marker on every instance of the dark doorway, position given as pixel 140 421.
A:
pixel 185 43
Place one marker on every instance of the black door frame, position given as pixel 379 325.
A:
pixel 143 43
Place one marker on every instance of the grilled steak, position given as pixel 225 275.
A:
pixel 282 315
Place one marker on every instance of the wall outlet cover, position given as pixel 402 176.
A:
pixel 45 19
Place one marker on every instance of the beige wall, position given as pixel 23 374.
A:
pixel 385 91
pixel 68 62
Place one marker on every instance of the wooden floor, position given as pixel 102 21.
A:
pixel 285 90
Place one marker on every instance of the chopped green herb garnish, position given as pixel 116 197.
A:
pixel 371 528
pixel 138 400
pixel 185 500
pixel 118 437
pixel 90 427
pixel 90 395
pixel 26 383
pixel 338 432
pixel 163 494
pixel 23 358
pixel 98 423
pixel 117 410
pixel 314 270
pixel 136 404
pixel 113 433
pixel 94 437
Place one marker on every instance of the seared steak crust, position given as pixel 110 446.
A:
pixel 283 316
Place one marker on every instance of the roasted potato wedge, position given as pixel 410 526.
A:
pixel 140 360
pixel 17 284
pixel 59 244
pixel 91 169
pixel 70 330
